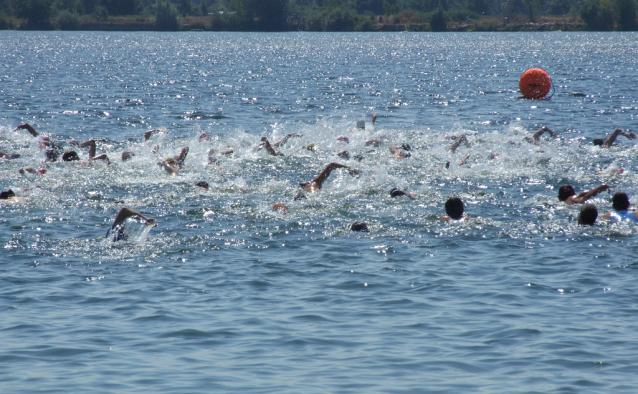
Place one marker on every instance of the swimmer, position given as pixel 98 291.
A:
pixel 620 204
pixel 212 155
pixel 588 215
pixel 127 155
pixel 8 196
pixel 315 185
pixel 373 142
pixel 30 170
pixel 359 226
pixel 285 139
pixel 118 223
pixel 148 134
pixel 279 207
pixel 396 192
pixel 202 184
pixel 535 138
pixel 454 210
pixel 344 154
pixel 459 140
pixel 203 136
pixel 269 148
pixel 169 166
pixel 567 194
pixel 610 141
pixel 361 124
pixel 45 142
pixel 92 148
pixel 5 155
pixel 401 152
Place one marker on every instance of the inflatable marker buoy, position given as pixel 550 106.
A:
pixel 535 83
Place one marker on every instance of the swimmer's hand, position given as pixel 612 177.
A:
pixel 630 135
pixel 151 222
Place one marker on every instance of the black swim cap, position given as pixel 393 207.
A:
pixel 70 156
pixel 6 194
pixel 51 155
pixel 406 147
pixel 396 192
pixel 202 184
pixel 598 141
pixel 300 196
pixel 359 226
pixel 359 157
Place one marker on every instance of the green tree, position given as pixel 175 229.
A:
pixel 438 21
pixel 626 12
pixel 123 7
pixel 533 7
pixel 36 12
pixel 598 15
pixel 166 16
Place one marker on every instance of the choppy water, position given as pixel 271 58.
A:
pixel 225 295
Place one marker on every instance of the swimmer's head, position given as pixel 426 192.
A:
pixel 454 208
pixel 127 155
pixel 598 141
pixel 361 124
pixel 620 201
pixel 5 194
pixel 406 147
pixel 343 138
pixel 170 161
pixel 396 192
pixel 565 192
pixel 311 146
pixel 359 226
pixel 51 155
pixel 279 207
pixel 588 214
pixel 70 156
pixel 204 136
pixel 359 157
pixel 202 184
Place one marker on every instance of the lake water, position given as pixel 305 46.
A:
pixel 225 295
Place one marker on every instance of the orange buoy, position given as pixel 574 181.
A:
pixel 535 83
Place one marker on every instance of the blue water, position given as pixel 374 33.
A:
pixel 225 295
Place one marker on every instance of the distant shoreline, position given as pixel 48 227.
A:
pixel 484 24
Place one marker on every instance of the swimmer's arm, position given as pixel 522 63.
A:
pixel 397 152
pixel 149 133
pixel 374 118
pixel 91 144
pixel 266 144
pixel 464 160
pixel 462 138
pixel 606 216
pixel 182 156
pixel 28 127
pixel 584 196
pixel 537 135
pixel 373 142
pixel 283 140
pixel 170 169
pixel 103 156
pixel 126 213
pixel 3 155
pixel 445 219
pixel 319 179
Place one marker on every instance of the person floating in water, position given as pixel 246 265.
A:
pixel 588 215
pixel 567 194
pixel 620 204
pixel 117 232
pixel 610 141
pixel 315 185
pixel 454 210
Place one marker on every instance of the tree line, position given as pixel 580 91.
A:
pixel 311 15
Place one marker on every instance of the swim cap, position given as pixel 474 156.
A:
pixel 361 124
pixel 51 155
pixel 70 156
pixel 202 184
pixel 396 192
pixel 170 160
pixel 406 147
pixel 343 138
pixel 598 141
pixel 311 146
pixel 5 194
pixel 300 196
pixel 359 226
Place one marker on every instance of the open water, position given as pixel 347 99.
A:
pixel 225 295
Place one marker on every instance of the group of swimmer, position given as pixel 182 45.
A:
pixel 454 207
